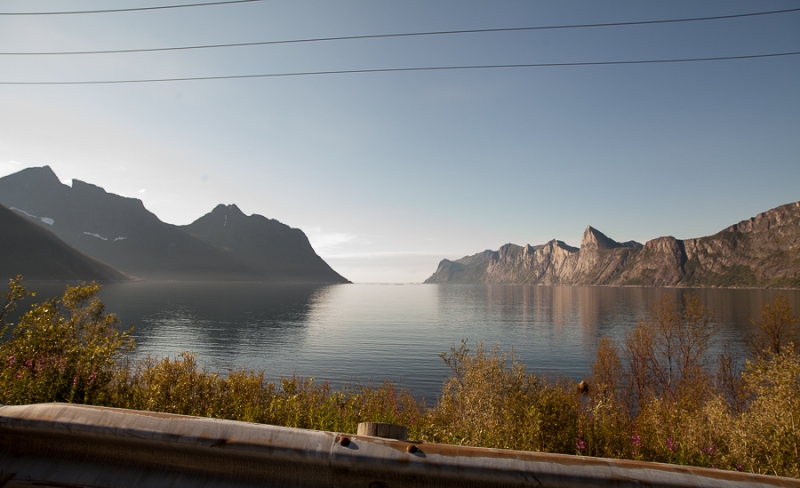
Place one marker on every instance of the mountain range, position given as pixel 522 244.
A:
pixel 222 245
pixel 763 251
pixel 81 232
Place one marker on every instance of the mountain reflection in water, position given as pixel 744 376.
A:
pixel 228 325
pixel 345 333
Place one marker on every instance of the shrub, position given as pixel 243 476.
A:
pixel 776 329
pixel 766 437
pixel 15 293
pixel 181 386
pixel 490 401
pixel 667 354
pixel 62 350
pixel 609 432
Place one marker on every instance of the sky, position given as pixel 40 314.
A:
pixel 390 172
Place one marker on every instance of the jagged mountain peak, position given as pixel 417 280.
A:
pixel 40 177
pixel 563 245
pixel 632 244
pixel 41 171
pixel 594 239
pixel 224 215
pixel 552 244
pixel 230 209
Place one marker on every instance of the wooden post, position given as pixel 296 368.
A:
pixel 387 431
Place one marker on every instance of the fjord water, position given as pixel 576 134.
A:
pixel 345 333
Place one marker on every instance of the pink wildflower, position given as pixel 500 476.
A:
pixel 671 444
pixel 636 443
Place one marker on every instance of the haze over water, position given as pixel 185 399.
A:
pixel 342 333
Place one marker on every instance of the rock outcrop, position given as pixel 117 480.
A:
pixel 763 251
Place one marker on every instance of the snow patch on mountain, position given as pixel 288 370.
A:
pixel 46 220
pixel 23 212
pixel 96 235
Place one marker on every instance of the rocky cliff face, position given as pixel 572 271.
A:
pixel 763 251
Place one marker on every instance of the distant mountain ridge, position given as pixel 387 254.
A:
pixel 264 245
pixel 763 251
pixel 121 232
pixel 36 253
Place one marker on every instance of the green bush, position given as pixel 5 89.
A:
pixel 491 401
pixel 766 437
pixel 62 350
pixel 181 386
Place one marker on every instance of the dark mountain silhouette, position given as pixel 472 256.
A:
pixel 38 254
pixel 763 251
pixel 272 249
pixel 121 232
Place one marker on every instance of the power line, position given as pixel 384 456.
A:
pixel 135 9
pixel 396 70
pixel 384 36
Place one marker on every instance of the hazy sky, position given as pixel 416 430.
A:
pixel 387 173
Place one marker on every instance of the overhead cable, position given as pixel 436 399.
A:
pixel 409 34
pixel 397 70
pixel 132 9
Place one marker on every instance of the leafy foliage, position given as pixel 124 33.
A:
pixel 491 401
pixel 62 350
pixel 777 329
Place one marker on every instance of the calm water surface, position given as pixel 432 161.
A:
pixel 343 333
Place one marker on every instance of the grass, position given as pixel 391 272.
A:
pixel 657 395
